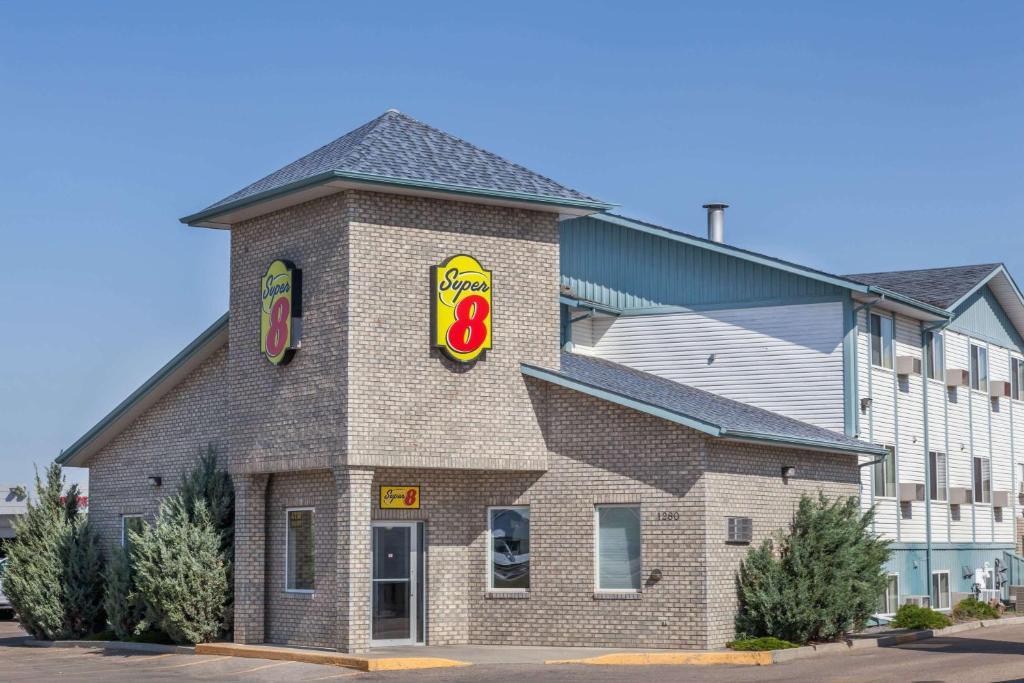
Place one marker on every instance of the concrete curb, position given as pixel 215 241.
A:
pixel 357 662
pixel 149 648
pixel 779 656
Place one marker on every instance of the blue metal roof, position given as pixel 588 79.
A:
pixel 694 408
pixel 396 149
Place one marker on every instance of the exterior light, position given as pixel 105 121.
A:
pixel 154 481
pixel 865 404
pixel 788 471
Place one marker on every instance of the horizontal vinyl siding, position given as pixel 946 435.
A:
pixel 787 359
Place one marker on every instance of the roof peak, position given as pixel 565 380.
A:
pixel 396 149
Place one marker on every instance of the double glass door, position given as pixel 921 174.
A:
pixel 397 590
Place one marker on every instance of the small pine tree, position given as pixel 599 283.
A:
pixel 83 580
pixel 34 578
pixel 181 574
pixel 124 607
pixel 817 582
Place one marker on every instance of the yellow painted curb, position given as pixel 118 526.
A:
pixel 666 658
pixel 289 654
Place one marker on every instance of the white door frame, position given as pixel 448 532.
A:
pixel 414 598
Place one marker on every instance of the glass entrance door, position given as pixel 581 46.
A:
pixel 396 596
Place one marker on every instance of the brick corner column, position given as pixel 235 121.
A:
pixel 250 557
pixel 355 500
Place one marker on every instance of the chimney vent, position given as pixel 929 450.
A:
pixel 716 221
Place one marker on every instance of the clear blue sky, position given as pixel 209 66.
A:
pixel 856 137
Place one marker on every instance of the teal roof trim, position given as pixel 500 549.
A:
pixel 981 316
pixel 210 339
pixel 729 250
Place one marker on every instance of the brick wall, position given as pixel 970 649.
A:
pixel 301 618
pixel 166 441
pixel 745 481
pixel 291 416
pixel 411 406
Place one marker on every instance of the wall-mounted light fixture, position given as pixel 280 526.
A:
pixel 865 404
pixel 154 481
pixel 788 471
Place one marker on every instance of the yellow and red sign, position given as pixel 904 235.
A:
pixel 280 311
pixel 400 497
pixel 461 308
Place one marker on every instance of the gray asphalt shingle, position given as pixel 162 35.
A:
pixel 940 287
pixel 730 416
pixel 396 146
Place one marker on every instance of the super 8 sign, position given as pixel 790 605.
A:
pixel 461 308
pixel 400 497
pixel 280 311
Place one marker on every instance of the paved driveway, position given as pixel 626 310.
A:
pixel 991 654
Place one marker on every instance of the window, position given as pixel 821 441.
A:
pixel 982 480
pixel 739 529
pixel 1020 477
pixel 889 600
pixel 937 462
pixel 1016 378
pixel 979 367
pixel 881 340
pixel 885 474
pixel 940 589
pixel 134 523
pixel 299 569
pixel 936 361
pixel 510 548
pixel 618 547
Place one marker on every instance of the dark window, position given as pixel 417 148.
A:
pixel 881 340
pixel 937 461
pixel 979 367
pixel 885 474
pixel 982 480
pixel 510 548
pixel 935 356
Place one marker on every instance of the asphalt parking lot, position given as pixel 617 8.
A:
pixel 990 654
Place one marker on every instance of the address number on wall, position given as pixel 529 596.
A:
pixel 667 517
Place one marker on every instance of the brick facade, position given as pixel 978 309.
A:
pixel 366 402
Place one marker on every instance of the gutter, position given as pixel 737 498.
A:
pixel 889 295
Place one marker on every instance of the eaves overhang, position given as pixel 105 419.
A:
pixel 222 216
pixel 166 378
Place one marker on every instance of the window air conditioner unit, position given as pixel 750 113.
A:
pixel 908 365
pixel 919 600
pixel 911 492
pixel 1000 499
pixel 999 389
pixel 959 495
pixel 957 378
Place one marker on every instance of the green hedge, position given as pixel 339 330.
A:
pixel 914 617
pixel 759 644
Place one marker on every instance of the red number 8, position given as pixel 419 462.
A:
pixel 410 497
pixel 277 334
pixel 469 331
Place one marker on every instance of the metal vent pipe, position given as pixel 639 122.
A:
pixel 716 221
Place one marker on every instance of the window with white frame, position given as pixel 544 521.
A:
pixel 937 463
pixel 1020 478
pixel 134 523
pixel 889 600
pixel 300 569
pixel 881 340
pixel 510 548
pixel 982 480
pixel 1016 379
pixel 884 474
pixel 940 589
pixel 936 358
pixel 979 367
pixel 618 547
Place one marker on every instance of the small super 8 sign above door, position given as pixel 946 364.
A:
pixel 461 308
pixel 400 497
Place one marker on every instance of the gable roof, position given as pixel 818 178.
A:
pixel 397 150
pixel 140 400
pixel 941 287
pixel 701 410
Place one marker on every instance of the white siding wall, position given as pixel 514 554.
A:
pixel 787 359
pixel 961 423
